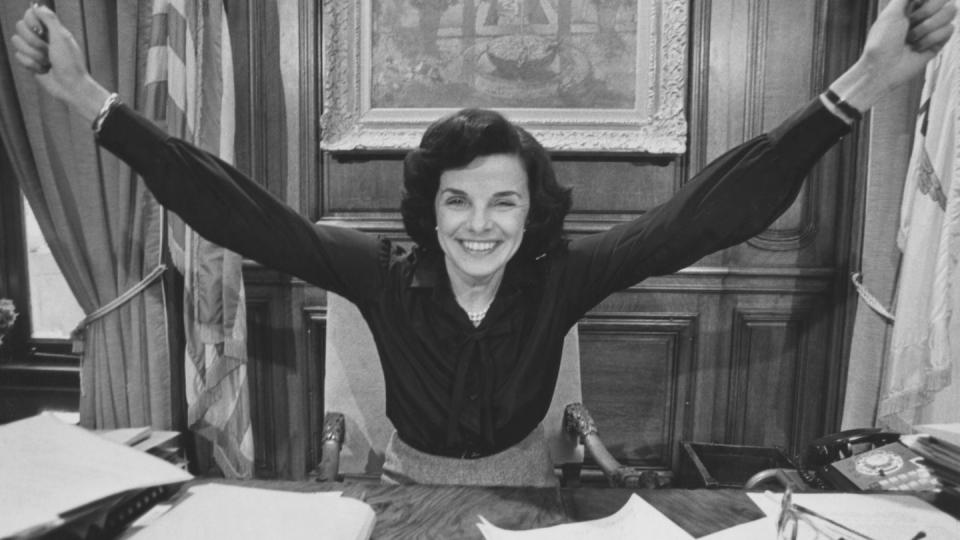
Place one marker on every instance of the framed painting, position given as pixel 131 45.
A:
pixel 581 75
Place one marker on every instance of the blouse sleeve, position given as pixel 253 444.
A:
pixel 734 198
pixel 227 208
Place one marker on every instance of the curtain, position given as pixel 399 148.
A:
pixel 103 228
pixel 903 372
pixel 189 83
pixel 890 135
pixel 925 343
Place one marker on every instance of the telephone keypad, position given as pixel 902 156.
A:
pixel 889 467
pixel 915 480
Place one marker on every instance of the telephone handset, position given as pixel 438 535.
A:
pixel 864 459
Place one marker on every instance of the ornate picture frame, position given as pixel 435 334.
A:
pixel 580 75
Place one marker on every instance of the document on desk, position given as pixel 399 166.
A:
pixel 219 511
pixel 636 519
pixel 49 468
pixel 878 516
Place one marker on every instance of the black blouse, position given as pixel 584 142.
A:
pixel 451 388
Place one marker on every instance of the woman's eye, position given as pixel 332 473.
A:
pixel 505 203
pixel 456 202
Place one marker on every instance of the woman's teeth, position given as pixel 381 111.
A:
pixel 478 246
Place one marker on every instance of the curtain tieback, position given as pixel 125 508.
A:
pixel 870 299
pixel 77 334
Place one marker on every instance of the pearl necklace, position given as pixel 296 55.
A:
pixel 476 317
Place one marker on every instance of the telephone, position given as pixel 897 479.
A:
pixel 865 459
pixel 854 460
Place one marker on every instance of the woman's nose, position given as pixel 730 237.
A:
pixel 479 220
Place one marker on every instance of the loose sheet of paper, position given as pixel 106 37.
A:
pixel 895 517
pixel 759 529
pixel 215 511
pixel 636 519
pixel 48 467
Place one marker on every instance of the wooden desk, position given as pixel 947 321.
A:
pixel 451 512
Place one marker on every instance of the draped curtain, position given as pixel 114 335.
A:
pixel 925 344
pixel 103 227
pixel 904 372
pixel 890 135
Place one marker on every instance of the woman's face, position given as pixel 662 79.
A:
pixel 481 212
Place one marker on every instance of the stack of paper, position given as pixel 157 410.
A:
pixel 160 443
pixel 58 475
pixel 217 511
pixel 941 457
pixel 947 432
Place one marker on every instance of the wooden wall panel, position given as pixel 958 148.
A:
pixel 362 187
pixel 261 127
pixel 315 333
pixel 766 384
pixel 635 376
pixel 266 378
pixel 286 328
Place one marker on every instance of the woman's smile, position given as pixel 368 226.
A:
pixel 478 247
pixel 481 212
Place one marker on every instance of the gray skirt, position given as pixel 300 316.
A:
pixel 525 464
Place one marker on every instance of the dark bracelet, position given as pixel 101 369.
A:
pixel 108 105
pixel 847 109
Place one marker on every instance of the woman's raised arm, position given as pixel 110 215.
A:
pixel 216 200
pixel 739 194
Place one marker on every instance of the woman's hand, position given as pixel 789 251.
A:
pixel 43 46
pixel 906 35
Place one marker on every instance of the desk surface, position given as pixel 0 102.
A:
pixel 451 512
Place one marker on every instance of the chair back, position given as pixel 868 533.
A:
pixel 354 386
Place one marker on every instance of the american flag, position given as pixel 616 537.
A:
pixel 189 89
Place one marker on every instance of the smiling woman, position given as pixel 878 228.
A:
pixel 469 323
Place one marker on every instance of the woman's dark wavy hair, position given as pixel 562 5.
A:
pixel 456 140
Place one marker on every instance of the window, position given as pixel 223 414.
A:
pixel 38 371
pixel 54 311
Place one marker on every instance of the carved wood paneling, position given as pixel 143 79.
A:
pixel 261 136
pixel 309 108
pixel 286 327
pixel 779 86
pixel 766 65
pixel 264 410
pixel 636 370
pixel 774 351
pixel 315 332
